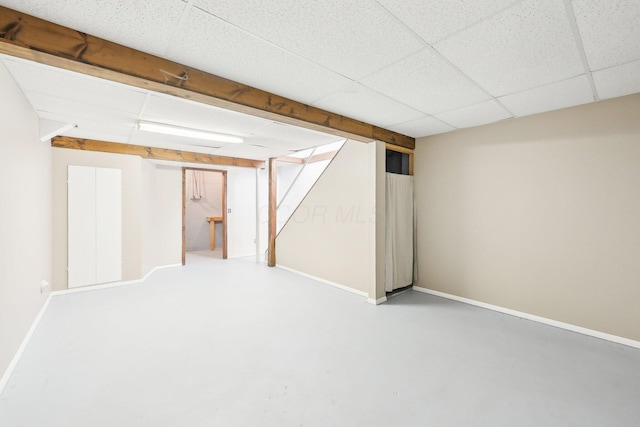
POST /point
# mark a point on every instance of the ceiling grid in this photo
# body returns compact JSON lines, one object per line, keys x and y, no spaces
{"x":410,"y":66}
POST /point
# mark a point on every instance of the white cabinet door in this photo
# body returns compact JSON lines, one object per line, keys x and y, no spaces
{"x":108,"y":225}
{"x":81,"y":220}
{"x":94,"y":225}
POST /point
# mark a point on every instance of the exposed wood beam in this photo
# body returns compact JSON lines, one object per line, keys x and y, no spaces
{"x":323,"y":156}
{"x":291,"y":159}
{"x":273,"y":211}
{"x":400,"y":149}
{"x":42,"y":41}
{"x":152,"y":152}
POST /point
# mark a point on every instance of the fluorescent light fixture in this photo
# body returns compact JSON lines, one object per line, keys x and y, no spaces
{"x":187,"y":132}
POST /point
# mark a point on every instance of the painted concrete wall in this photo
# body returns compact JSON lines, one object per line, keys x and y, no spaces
{"x":25,"y":218}
{"x":539,"y":214}
{"x":331,"y":233}
{"x":161,"y":215}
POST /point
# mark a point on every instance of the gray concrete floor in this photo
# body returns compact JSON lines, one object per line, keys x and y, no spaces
{"x":233,"y":343}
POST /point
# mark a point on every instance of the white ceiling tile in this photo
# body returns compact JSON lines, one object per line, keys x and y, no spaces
{"x":61,"y":84}
{"x":233,"y":53}
{"x":426,"y":82}
{"x":610,"y":31}
{"x":68,"y":107}
{"x":526,"y":46}
{"x":180,"y":112}
{"x":432,"y":20}
{"x":618,"y":81}
{"x":566,"y":93}
{"x":86,"y":128}
{"x":475,"y":115}
{"x":353,"y":38}
{"x":250,"y":152}
{"x":298,"y":135}
{"x":276,"y":145}
{"x":422,"y":127}
{"x":141,"y":24}
{"x":361,"y":103}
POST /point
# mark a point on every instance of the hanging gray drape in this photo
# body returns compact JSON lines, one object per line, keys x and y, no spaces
{"x":399,"y":215}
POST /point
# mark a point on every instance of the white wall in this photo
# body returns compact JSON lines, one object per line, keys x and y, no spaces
{"x":331,"y":234}
{"x":539,"y":215}
{"x":197,"y":210}
{"x":161,"y":215}
{"x":151,"y":211}
{"x":25,"y":218}
{"x":132,"y":202}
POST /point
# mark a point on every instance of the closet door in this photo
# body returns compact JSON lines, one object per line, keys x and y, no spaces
{"x":94,"y":225}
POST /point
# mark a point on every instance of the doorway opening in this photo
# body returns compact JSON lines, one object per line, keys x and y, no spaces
{"x":204,"y":212}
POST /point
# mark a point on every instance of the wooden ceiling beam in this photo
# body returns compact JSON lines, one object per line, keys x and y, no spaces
{"x":42,"y":41}
{"x":152,"y":152}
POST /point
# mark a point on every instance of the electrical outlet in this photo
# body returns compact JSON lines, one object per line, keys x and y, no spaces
{"x":44,"y":286}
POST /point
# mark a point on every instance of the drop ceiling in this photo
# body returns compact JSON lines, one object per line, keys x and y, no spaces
{"x":412,"y":66}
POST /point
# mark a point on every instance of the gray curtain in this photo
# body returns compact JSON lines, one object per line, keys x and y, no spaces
{"x":400,"y":226}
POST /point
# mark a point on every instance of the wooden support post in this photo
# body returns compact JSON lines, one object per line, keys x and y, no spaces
{"x":273,"y":211}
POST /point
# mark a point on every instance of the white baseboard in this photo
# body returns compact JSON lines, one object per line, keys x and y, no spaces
{"x":113,"y":284}
{"x":14,"y":362}
{"x":326,"y":282}
{"x":34,"y":325}
{"x":376,"y":301}
{"x":533,"y":317}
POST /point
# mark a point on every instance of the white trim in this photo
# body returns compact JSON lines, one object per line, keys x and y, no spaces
{"x":376,"y":301}
{"x":114,"y":284}
{"x":34,"y":325}
{"x":533,"y":317}
{"x":16,"y":358}
{"x":326,"y":282}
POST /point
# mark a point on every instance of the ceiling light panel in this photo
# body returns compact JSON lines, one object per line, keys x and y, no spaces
{"x":475,"y":115}
{"x":435,"y":19}
{"x":424,"y":126}
{"x":142,"y":25}
{"x":427,"y":83}
{"x":528,"y":45}
{"x":362,"y":103}
{"x":230,"y":52}
{"x":170,"y":142}
{"x":618,"y":81}
{"x":353,"y":38}
{"x":610,"y":31}
{"x":191,"y":133}
{"x":567,"y":93}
